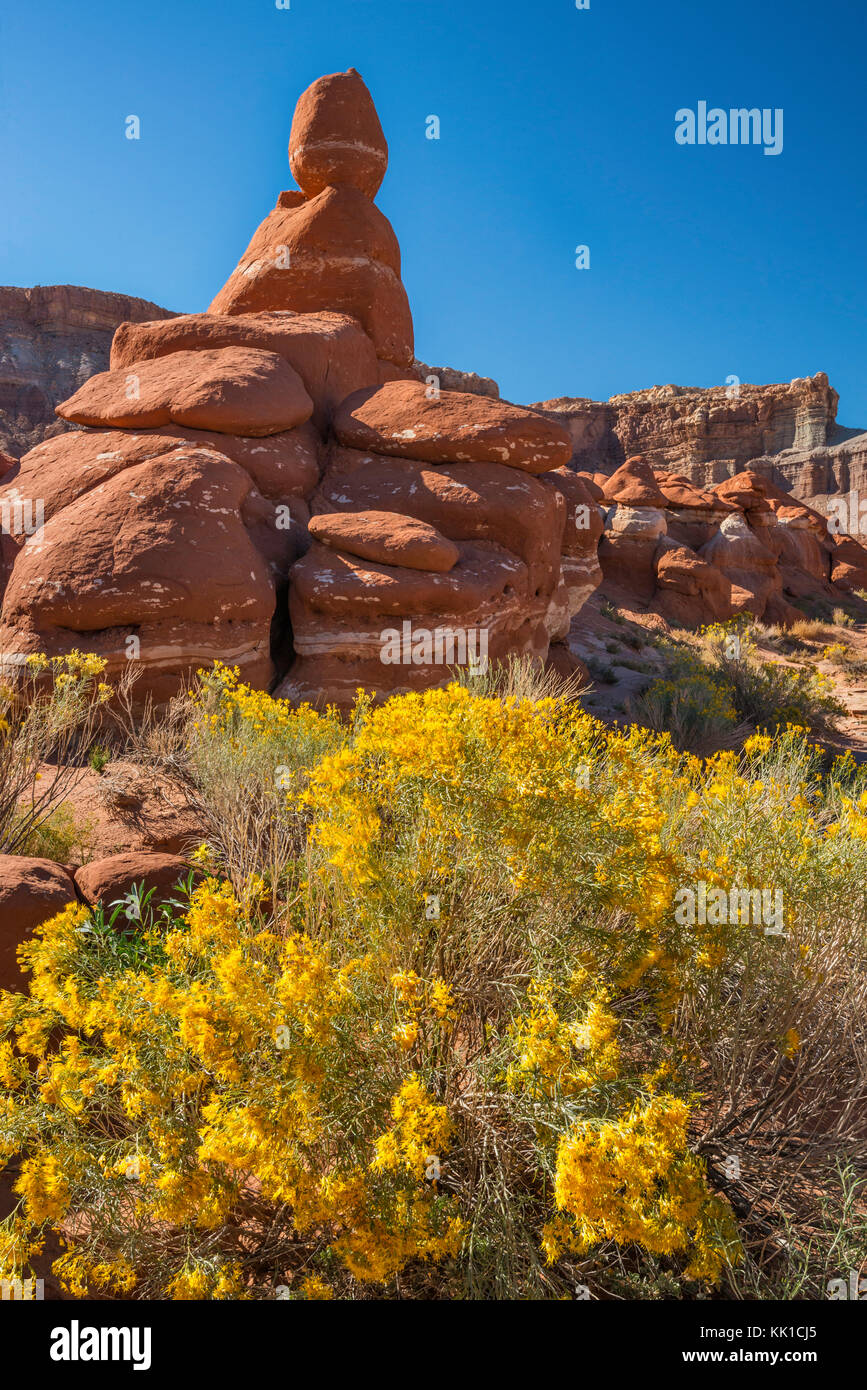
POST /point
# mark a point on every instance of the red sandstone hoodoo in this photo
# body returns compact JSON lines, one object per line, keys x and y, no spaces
{"x":279,"y":474}
{"x":283,"y":458}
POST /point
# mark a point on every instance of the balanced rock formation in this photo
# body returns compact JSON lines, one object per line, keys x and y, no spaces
{"x":277,"y":483}
{"x":329,"y":246}
{"x":336,"y":137}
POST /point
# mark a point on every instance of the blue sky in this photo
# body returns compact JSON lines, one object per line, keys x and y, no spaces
{"x":557,"y":129}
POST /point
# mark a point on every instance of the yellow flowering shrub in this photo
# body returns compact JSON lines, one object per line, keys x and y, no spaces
{"x":465,"y":1022}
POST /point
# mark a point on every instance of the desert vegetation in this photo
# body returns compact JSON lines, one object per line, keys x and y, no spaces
{"x":471,"y":996}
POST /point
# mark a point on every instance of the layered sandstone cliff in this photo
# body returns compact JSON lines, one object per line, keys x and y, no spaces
{"x":52,"y":338}
{"x":786,"y":432}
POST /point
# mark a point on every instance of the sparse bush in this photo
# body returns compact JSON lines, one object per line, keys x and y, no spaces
{"x":49,"y":711}
{"x":717,"y":691}
{"x":770,"y":696}
{"x":842,"y":618}
{"x":62,"y":836}
{"x":602,"y":671}
{"x":98,"y":757}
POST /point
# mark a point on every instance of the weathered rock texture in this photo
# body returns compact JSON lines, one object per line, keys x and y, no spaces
{"x":52,"y":339}
{"x":695,"y":555}
{"x":279,"y":484}
{"x":450,"y":379}
{"x":787,"y":433}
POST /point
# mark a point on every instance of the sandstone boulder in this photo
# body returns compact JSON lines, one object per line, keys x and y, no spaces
{"x":593,"y":485}
{"x":627,"y":549}
{"x":682,"y":495}
{"x":231,"y":390}
{"x":738,"y":552}
{"x":388,"y":628}
{"x":693,"y":514}
{"x":161,"y":539}
{"x":32,"y":891}
{"x":388,"y":538}
{"x":330,"y":352}
{"x":401,"y":418}
{"x":642,"y":523}
{"x":107,"y":881}
{"x":746,"y":490}
{"x":634,"y":484}
{"x":465,"y":502}
{"x":283,"y":466}
{"x":689,"y":590}
{"x":336,"y":136}
{"x":159,"y":553}
{"x":848,"y":563}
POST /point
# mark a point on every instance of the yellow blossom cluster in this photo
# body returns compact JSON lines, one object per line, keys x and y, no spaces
{"x":635,"y":1180}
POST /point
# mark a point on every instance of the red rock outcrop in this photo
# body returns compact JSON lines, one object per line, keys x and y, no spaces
{"x":333,"y":251}
{"x":634,"y":484}
{"x":175,"y":527}
{"x":706,"y":554}
{"x":579,"y":556}
{"x":158,"y":553}
{"x":707,"y":434}
{"x":786,"y":433}
{"x":230,"y":390}
{"x":848,"y":563}
{"x":387,"y":537}
{"x":690,"y":591}
{"x":336,"y":137}
{"x":330,"y":352}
